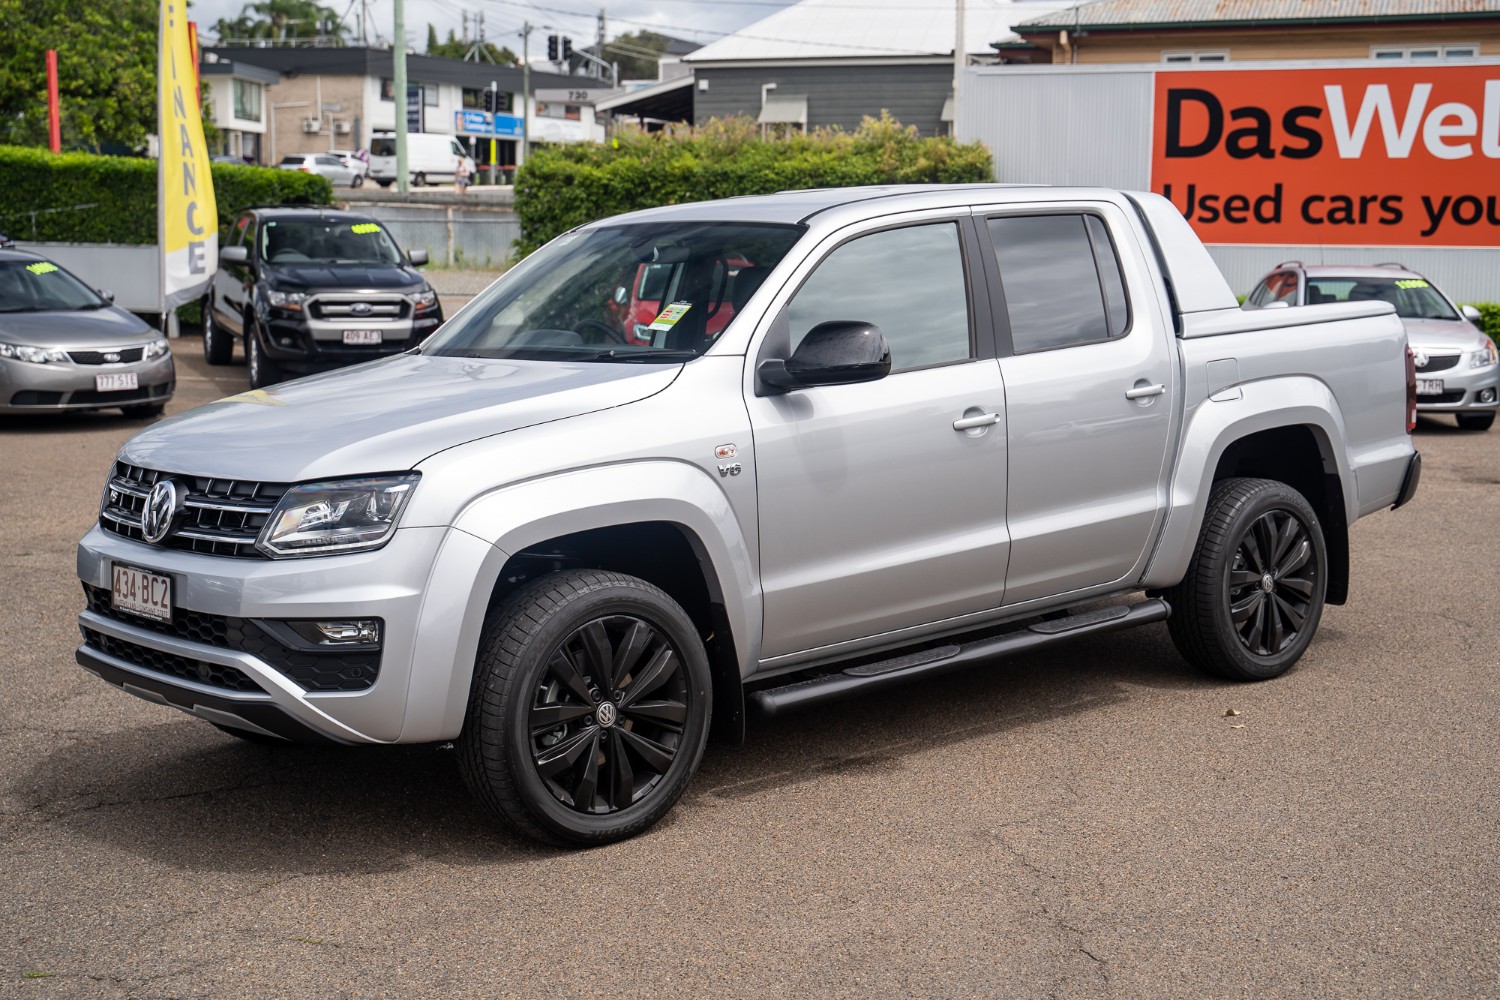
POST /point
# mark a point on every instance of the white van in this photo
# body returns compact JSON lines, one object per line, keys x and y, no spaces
{"x":430,"y":158}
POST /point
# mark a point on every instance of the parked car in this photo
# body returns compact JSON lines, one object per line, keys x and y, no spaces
{"x":309,"y":289}
{"x":1457,"y":370}
{"x":351,"y":159}
{"x":431,"y":158}
{"x":65,"y":346}
{"x":952,"y":423}
{"x":238,"y":161}
{"x":327,"y":165}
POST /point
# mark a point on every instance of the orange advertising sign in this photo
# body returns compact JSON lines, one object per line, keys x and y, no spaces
{"x":1398,"y":156}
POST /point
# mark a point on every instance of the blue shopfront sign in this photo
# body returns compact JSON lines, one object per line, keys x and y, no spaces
{"x":510,"y":125}
{"x":484,"y":123}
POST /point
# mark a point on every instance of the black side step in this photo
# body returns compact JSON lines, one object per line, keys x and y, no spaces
{"x":931,"y":662}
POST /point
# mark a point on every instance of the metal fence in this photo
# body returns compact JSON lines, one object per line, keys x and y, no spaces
{"x":453,"y":236}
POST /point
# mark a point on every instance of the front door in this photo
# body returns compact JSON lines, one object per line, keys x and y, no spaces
{"x":876,"y":513}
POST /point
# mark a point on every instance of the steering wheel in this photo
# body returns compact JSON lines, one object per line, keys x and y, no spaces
{"x":598,"y":325}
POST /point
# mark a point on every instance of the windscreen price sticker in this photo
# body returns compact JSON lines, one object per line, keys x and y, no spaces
{"x":668,"y":317}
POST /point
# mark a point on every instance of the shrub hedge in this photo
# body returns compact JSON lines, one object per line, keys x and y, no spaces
{"x":560,"y":187}
{"x":1489,"y":318}
{"x":40,"y":194}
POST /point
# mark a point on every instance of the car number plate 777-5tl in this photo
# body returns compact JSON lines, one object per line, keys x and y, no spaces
{"x":115,"y":382}
{"x":362,"y":336}
{"x":1429,"y":387}
{"x":141,"y":592}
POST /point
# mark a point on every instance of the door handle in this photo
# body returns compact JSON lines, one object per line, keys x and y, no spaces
{"x":1142,"y":391}
{"x":969,"y":423}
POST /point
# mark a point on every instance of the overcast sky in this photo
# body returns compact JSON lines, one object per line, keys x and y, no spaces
{"x":701,"y":21}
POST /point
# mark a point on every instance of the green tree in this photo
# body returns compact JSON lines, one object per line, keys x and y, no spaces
{"x":457,"y":48}
{"x":293,"y":22}
{"x":106,"y":62}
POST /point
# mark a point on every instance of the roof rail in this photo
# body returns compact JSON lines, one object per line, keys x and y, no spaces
{"x":1393,"y":263}
{"x":1291,"y":263}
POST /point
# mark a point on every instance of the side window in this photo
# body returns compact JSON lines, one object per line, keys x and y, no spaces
{"x":1282,"y":287}
{"x":329,"y":161}
{"x":1062,"y":280}
{"x":458,"y":150}
{"x":250,"y":234}
{"x":908,"y":282}
{"x":237,"y":238}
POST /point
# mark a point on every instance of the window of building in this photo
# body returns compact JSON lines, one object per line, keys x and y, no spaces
{"x":551,"y":109}
{"x":247,"y":96}
{"x":908,"y":282}
{"x":1062,"y":280}
{"x":387,"y":89}
{"x":1423,"y":53}
{"x":1195,"y":56}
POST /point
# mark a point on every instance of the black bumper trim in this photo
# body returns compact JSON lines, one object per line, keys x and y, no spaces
{"x":262,"y":713}
{"x":1409,"y":484}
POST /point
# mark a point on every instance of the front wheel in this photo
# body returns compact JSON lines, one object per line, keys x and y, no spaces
{"x":1476,"y":421}
{"x":357,"y":181}
{"x":218,"y":348}
{"x":589,"y":709}
{"x":419,"y":180}
{"x":263,"y":370}
{"x":1253,"y":594}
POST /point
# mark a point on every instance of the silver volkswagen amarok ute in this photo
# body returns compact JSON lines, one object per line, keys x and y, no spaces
{"x":869,"y":436}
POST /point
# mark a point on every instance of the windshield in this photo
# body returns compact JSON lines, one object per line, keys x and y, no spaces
{"x":326,"y":241}
{"x":1414,"y":298}
{"x":39,"y":285}
{"x":383,"y":147}
{"x":621,"y":293}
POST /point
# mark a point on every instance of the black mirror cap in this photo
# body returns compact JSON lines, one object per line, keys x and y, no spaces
{"x":417,"y":257}
{"x":840,"y":352}
{"x":234,"y":255}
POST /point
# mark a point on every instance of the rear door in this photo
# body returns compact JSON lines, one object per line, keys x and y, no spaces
{"x":876,"y":513}
{"x":1090,"y":379}
{"x":230,"y":288}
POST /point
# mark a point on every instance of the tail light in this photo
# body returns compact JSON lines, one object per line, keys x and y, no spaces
{"x":1411,"y":390}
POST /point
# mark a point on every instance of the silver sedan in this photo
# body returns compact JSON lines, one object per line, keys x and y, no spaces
{"x":64,"y":346}
{"x":339,"y":173}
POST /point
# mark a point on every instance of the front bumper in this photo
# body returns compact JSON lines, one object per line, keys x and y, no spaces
{"x":206,"y":675}
{"x":31,"y":388}
{"x":1465,"y":390}
{"x":305,"y":346}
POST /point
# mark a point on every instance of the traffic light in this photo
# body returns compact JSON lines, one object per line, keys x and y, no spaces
{"x":567,"y":48}
{"x":489,"y":101}
{"x":552,"y":48}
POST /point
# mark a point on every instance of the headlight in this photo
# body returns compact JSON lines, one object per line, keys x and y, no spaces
{"x":1486,"y":355}
{"x":155,"y":349}
{"x":286,"y":300}
{"x":346,"y":515}
{"x":37,"y":355}
{"x":426,"y":299}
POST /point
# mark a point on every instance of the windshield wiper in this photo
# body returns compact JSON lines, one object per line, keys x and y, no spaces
{"x":641,"y":356}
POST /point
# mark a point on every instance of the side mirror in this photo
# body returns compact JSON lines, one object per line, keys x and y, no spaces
{"x":106,"y":295}
{"x":234,"y":255}
{"x":839,"y":352}
{"x":1471,"y":314}
{"x":621,"y":295}
{"x":417,"y":257}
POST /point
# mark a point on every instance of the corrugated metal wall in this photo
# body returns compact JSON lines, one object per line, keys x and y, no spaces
{"x":1092,"y":125}
{"x":836,"y":95}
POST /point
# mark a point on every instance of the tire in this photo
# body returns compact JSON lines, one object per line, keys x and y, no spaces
{"x":1222,"y":620}
{"x":144,"y":411}
{"x":1476,"y":421}
{"x":384,"y":184}
{"x":218,"y":346}
{"x":263,"y":370}
{"x":535,"y":749}
{"x":419,"y":180}
{"x":358,"y":181}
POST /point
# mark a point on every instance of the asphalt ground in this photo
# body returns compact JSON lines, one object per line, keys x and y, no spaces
{"x":1090,"y":822}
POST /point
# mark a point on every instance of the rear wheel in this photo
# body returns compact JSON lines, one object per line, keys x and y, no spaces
{"x":1476,"y":421}
{"x":358,"y":181}
{"x":263,"y":370}
{"x":218,"y":348}
{"x":1253,"y":595}
{"x":419,"y":180}
{"x":589,"y":709}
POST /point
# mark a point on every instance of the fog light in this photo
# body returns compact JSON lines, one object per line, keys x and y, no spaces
{"x":1487,"y":395}
{"x":340,"y":632}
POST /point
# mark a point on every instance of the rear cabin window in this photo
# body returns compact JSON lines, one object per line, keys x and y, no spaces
{"x":1062,"y":280}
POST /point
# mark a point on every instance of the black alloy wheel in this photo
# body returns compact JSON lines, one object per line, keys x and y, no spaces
{"x":1253,"y":594}
{"x":589,"y":709}
{"x":1272,"y":583}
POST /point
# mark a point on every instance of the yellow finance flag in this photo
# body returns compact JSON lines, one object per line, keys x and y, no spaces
{"x":187,"y":218}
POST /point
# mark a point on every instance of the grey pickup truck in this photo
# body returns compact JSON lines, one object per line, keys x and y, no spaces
{"x":869,"y":436}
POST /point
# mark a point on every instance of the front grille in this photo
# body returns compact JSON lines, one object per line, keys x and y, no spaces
{"x":351,"y":308}
{"x":331,"y":670}
{"x":218,"y":516}
{"x":1439,"y":363}
{"x":170,"y":664}
{"x":1443,"y":399}
{"x":124,"y":357}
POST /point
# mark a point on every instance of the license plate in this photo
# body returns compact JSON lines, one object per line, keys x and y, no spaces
{"x":141,"y":592}
{"x":115,"y":381}
{"x":1429,"y":387}
{"x":362,"y":336}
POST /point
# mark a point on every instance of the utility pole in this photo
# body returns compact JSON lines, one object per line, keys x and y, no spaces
{"x":599,"y":47}
{"x":960,"y":59}
{"x":525,"y":92}
{"x":399,"y":98}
